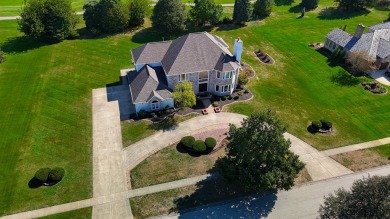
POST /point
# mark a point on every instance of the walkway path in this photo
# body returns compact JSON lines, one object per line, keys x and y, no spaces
{"x":356,"y":147}
{"x":109,"y":176}
{"x":318,"y":165}
{"x":380,"y":77}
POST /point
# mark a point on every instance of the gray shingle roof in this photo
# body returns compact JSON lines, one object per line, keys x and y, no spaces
{"x":339,"y":36}
{"x":384,"y":49}
{"x":147,"y":83}
{"x":190,"y":53}
{"x":375,"y":43}
{"x":380,"y":26}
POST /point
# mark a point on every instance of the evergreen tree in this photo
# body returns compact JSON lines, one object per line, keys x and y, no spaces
{"x":309,"y":4}
{"x":242,"y":11}
{"x":258,"y":155}
{"x":138,"y":9}
{"x":169,"y":16}
{"x":46,"y":20}
{"x":355,"y":5}
{"x":262,"y":8}
{"x":206,"y":11}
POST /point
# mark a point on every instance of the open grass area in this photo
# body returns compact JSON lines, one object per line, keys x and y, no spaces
{"x":84,"y":213}
{"x":135,"y":131}
{"x":171,"y":164}
{"x":300,"y":86}
{"x":45,"y":113}
{"x":364,"y":159}
{"x":13,"y":7}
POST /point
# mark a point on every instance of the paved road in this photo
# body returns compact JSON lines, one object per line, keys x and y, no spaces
{"x":300,"y":202}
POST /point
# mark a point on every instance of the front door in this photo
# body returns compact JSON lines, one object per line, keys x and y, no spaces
{"x":202,"y":88}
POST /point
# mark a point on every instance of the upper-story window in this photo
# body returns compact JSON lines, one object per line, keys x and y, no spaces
{"x":224,"y":75}
{"x":183,"y":77}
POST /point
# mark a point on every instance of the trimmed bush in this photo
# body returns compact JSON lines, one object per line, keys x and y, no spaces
{"x":199,"y":146}
{"x":187,"y":141}
{"x":246,"y":91}
{"x":210,"y":142}
{"x":42,"y":175}
{"x":236,"y":97}
{"x":316,"y":125}
{"x":56,"y":174}
{"x":215,"y":104}
{"x":230,"y":97}
{"x":240,"y":93}
{"x":223,"y":98}
{"x":325,"y":124}
{"x":142,"y":114}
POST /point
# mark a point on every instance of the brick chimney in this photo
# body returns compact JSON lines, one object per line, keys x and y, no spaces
{"x":359,"y":31}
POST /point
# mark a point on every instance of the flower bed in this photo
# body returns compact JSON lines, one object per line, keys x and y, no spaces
{"x":374,"y":87}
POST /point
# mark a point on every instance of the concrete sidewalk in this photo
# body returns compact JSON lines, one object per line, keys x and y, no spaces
{"x":356,"y":147}
{"x":318,"y":165}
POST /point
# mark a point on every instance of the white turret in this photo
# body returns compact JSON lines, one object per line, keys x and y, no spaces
{"x":238,"y":44}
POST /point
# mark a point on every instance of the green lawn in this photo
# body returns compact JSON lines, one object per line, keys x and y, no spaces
{"x":45,"y":113}
{"x":84,"y":213}
{"x":13,"y":7}
{"x":383,"y":150}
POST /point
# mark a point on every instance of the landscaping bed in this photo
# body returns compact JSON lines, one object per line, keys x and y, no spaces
{"x":364,"y":159}
{"x":264,"y":57}
{"x":374,"y":87}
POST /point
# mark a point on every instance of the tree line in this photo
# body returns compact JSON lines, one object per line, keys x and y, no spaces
{"x":54,"y":21}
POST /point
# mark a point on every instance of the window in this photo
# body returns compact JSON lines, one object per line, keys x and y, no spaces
{"x":216,"y":88}
{"x":225,"y":88}
{"x":218,"y":74}
{"x":183,"y":77}
{"x":155,"y":105}
{"x":227,"y":75}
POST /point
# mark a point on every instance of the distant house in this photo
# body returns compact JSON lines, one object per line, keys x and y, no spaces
{"x":200,"y":58}
{"x":375,"y":42}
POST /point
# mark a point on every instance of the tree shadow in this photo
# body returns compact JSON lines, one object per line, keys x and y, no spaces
{"x":168,"y":123}
{"x":227,"y":27}
{"x":333,"y":13}
{"x":213,"y":190}
{"x":343,"y":78}
{"x":311,"y":130}
{"x":283,"y":2}
{"x":295,"y":9}
{"x":180,"y":148}
{"x":34,"y":183}
{"x":21,"y":44}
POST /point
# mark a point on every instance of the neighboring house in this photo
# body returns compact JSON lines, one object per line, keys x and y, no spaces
{"x":375,"y":42}
{"x":200,"y":58}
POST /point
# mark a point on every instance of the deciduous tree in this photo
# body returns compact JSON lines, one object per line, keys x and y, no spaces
{"x":137,"y":10}
{"x":354,"y":5}
{"x":183,"y":95}
{"x":258,"y":156}
{"x":368,"y":198}
{"x":206,"y":11}
{"x":263,"y":8}
{"x":107,"y":16}
{"x":242,"y":11}
{"x":309,"y":4}
{"x":49,"y":21}
{"x":169,"y":16}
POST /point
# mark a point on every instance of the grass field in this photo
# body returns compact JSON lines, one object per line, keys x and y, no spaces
{"x":13,"y":7}
{"x":45,"y":93}
{"x":84,"y":213}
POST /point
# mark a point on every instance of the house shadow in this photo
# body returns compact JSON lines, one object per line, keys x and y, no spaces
{"x":333,"y":13}
{"x":345,"y":79}
{"x":21,"y":44}
{"x":283,"y":2}
{"x":209,"y":201}
{"x":120,"y":91}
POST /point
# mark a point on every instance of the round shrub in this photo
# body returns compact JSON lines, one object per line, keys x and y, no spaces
{"x":187,"y":141}
{"x":56,"y":174}
{"x":223,"y":98}
{"x":325,"y":124}
{"x":316,"y":125}
{"x":210,"y":142}
{"x":42,"y":175}
{"x":199,"y":146}
{"x":230,"y":97}
{"x":215,"y":104}
{"x":236,"y":97}
{"x":246,"y":91}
